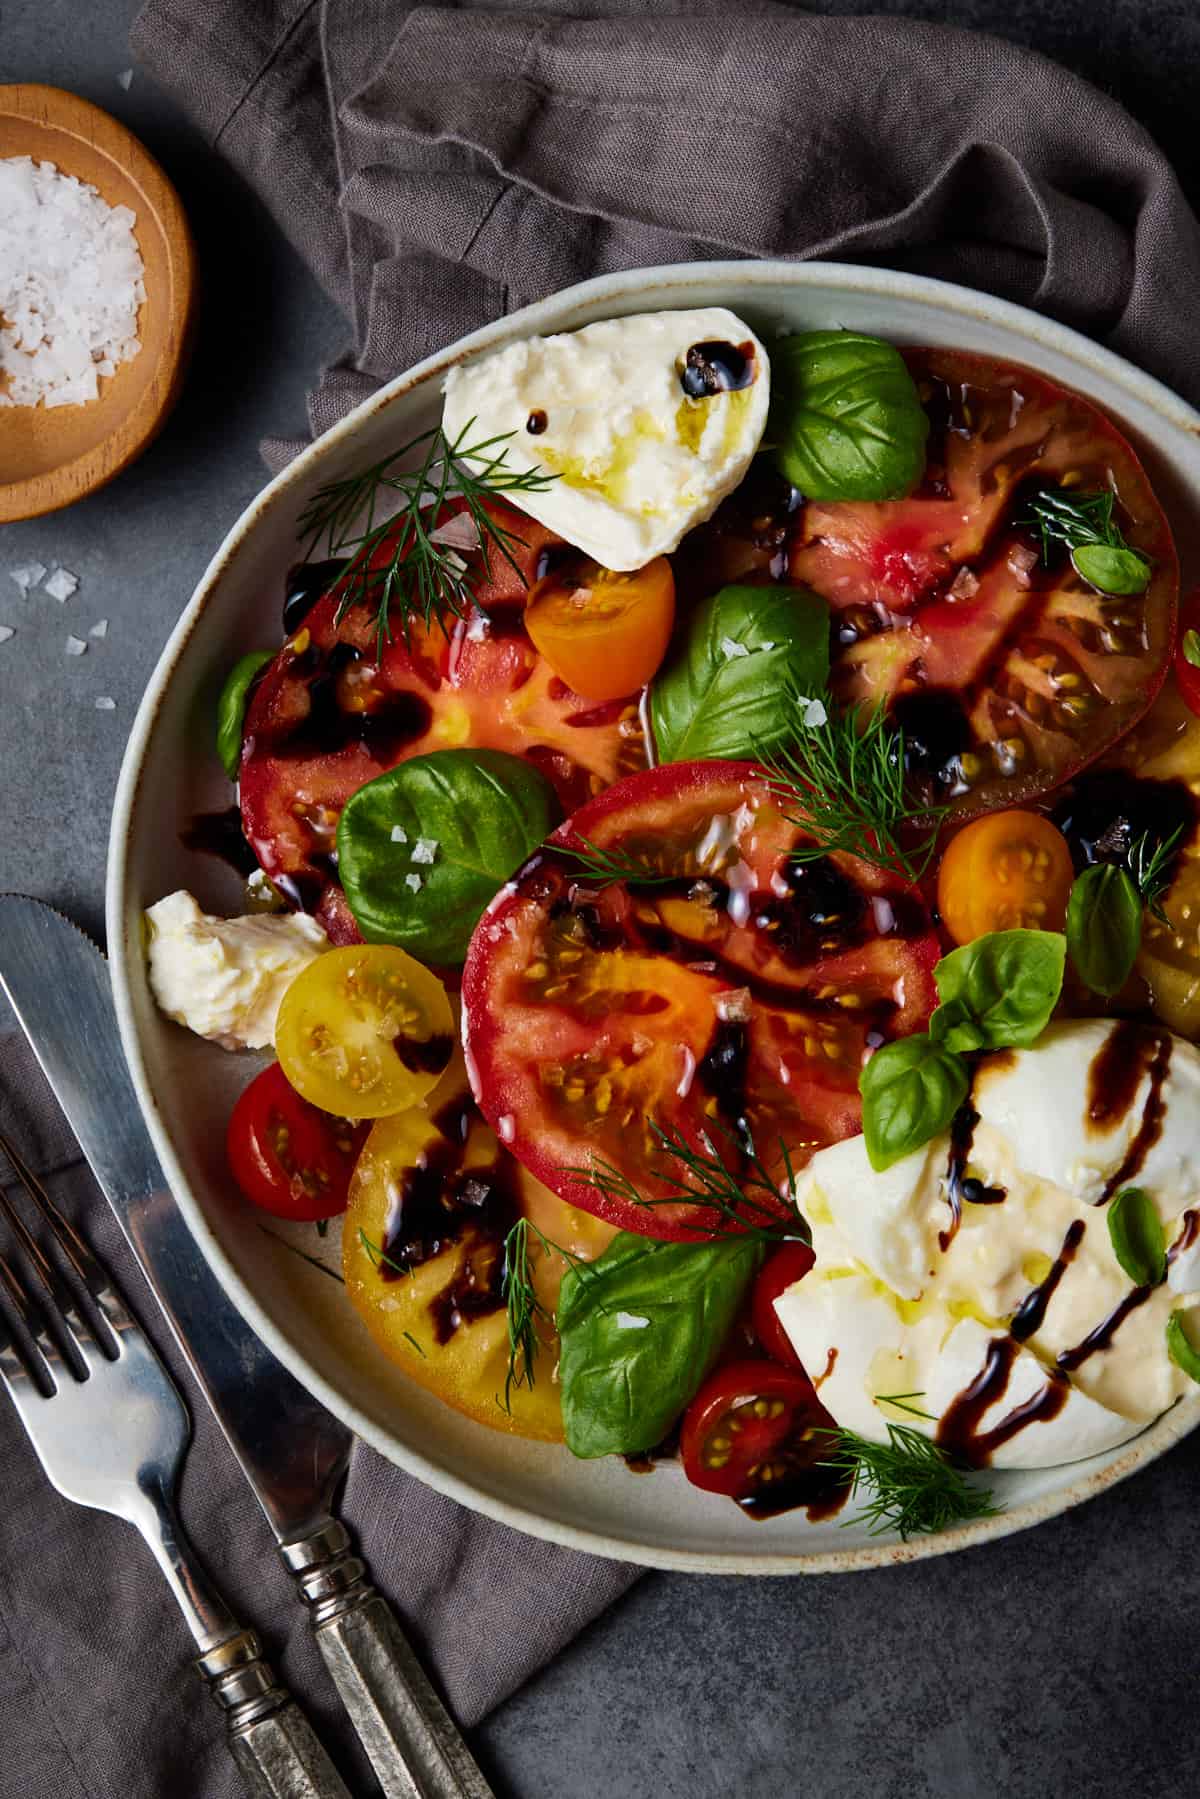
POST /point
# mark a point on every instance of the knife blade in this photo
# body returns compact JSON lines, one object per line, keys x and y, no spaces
{"x":291,"y":1450}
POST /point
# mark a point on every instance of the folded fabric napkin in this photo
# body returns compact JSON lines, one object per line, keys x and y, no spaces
{"x":437,"y":167}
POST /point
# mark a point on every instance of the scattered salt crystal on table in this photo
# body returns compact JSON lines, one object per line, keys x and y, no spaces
{"x":61,"y":585}
{"x":76,"y":646}
{"x":105,"y":703}
{"x":124,"y":79}
{"x":28,"y":575}
{"x":6,"y":631}
{"x":99,"y":629}
{"x":71,"y":282}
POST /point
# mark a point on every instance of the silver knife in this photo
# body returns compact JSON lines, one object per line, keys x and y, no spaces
{"x":292,"y":1452}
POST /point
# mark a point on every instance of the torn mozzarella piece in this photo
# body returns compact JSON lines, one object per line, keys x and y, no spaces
{"x":639,"y":458}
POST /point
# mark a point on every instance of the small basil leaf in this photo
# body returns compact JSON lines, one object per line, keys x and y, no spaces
{"x":846,"y":417}
{"x":953,"y":1026}
{"x":1006,"y":983}
{"x":1191,"y":648}
{"x":1137,"y":1237}
{"x":231,"y":707}
{"x":911,"y":1090}
{"x":639,"y":1329}
{"x":1104,"y":926}
{"x":1111,"y":569}
{"x":1180,"y":1349}
{"x":725,"y":691}
{"x":475,"y":815}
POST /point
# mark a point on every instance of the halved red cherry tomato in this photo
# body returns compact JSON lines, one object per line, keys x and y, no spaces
{"x":603,"y":633}
{"x":288,"y":1157}
{"x":756,"y":1431}
{"x":781,"y":1270}
{"x":741,"y":992}
{"x":1007,"y":871}
{"x":1008,"y":673}
{"x":330,"y":714}
{"x":1187,"y":672}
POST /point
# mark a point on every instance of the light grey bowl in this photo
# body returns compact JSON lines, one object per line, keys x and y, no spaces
{"x":186,"y":1087}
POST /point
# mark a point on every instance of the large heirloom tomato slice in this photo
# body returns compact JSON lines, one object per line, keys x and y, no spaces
{"x":741,"y":991}
{"x":330,"y":714}
{"x":1008,"y":671}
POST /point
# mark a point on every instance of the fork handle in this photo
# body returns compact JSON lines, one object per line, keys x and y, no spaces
{"x":271,"y":1740}
{"x":414,"y":1746}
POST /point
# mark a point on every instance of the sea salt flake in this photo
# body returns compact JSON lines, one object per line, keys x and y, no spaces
{"x":399,"y":834}
{"x":731,"y":648}
{"x":425,"y":849}
{"x":124,"y":79}
{"x":28,"y":575}
{"x":99,"y":629}
{"x":812,"y":712}
{"x":76,"y":646}
{"x":733,"y":1006}
{"x":105,"y":703}
{"x":414,"y":882}
{"x":631,"y":1321}
{"x":61,"y":585}
{"x":6,"y":631}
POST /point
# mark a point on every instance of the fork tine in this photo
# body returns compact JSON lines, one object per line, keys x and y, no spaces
{"x":48,"y":1355}
{"x":79,"y":1257}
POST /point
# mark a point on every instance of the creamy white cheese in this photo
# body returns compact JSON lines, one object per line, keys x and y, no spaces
{"x":224,"y":977}
{"x":899,"y":1301}
{"x":639,"y":462}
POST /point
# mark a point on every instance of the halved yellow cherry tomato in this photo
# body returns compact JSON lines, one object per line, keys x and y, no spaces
{"x":431,"y":1202}
{"x":364,"y":1031}
{"x":603,"y":633}
{"x":1007,"y":871}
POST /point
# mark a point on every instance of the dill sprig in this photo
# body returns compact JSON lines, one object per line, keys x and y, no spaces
{"x":745,"y":1203}
{"x":379,"y":1256}
{"x":843,"y":783}
{"x":1083,"y":521}
{"x":417,"y":578}
{"x":1150,"y":862}
{"x":907,"y":1484}
{"x":603,"y":868}
{"x":524,"y":1309}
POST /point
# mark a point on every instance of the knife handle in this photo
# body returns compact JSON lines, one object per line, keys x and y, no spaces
{"x":271,"y":1740}
{"x":414,"y":1747}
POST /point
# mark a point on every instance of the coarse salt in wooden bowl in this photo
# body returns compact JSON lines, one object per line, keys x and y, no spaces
{"x":53,"y":456}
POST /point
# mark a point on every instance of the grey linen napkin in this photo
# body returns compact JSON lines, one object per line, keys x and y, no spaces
{"x":436,"y":167}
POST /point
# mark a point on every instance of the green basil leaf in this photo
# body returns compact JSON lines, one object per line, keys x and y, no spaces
{"x":1180,"y":1349}
{"x":725,"y":691}
{"x":1112,"y":569}
{"x":231,"y":707}
{"x":911,"y":1090}
{"x":1190,"y":646}
{"x":846,"y":417}
{"x":1003,"y":986}
{"x":460,"y":822}
{"x":640,"y":1327}
{"x":1136,"y":1231}
{"x":1104,"y":926}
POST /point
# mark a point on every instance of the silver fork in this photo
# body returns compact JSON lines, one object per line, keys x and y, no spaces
{"x":110,"y":1431}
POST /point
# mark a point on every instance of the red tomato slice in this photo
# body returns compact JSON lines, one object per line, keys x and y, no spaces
{"x":1187,"y":673}
{"x":781,"y":1270}
{"x":287,"y":1156}
{"x":744,"y":988}
{"x":330,"y":714}
{"x":1008,"y":674}
{"x":755,"y":1431}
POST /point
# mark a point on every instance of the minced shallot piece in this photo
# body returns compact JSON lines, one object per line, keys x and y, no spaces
{"x":71,"y":282}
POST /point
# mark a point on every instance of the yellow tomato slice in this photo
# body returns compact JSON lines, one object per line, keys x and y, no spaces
{"x":435,"y":1181}
{"x":603,"y":633}
{"x":1006,"y":871}
{"x":364,"y":1031}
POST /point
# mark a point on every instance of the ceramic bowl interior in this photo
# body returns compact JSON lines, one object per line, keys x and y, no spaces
{"x":187,"y":1087}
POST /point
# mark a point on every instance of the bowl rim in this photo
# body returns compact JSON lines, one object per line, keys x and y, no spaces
{"x":125,"y":952}
{"x":58,"y":109}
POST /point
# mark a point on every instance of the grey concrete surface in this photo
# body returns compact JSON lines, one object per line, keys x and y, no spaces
{"x":1055,"y":1665}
